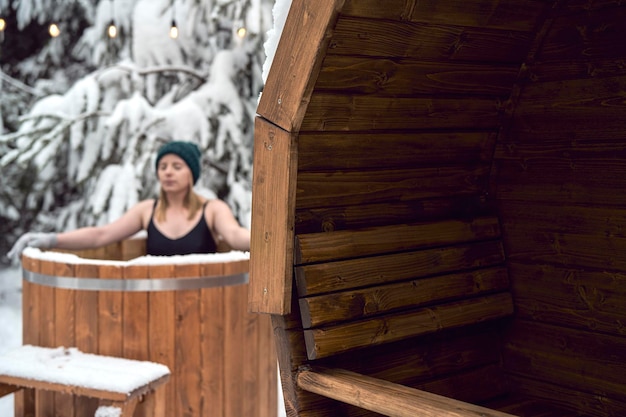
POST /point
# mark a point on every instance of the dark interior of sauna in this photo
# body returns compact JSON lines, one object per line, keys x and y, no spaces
{"x":439,"y":186}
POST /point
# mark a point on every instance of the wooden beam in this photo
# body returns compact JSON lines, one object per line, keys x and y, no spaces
{"x":297,"y":61}
{"x":327,"y":341}
{"x":360,"y":303}
{"x":375,"y":395}
{"x":273,"y":206}
{"x":346,"y":244}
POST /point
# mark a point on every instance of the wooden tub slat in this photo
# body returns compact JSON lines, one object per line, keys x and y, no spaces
{"x":212,"y":327}
{"x":161,"y":325}
{"x":135,"y":327}
{"x":46,"y":322}
{"x":110,"y":307}
{"x":25,"y":399}
{"x":86,"y":326}
{"x":64,"y":327}
{"x":187,"y":334}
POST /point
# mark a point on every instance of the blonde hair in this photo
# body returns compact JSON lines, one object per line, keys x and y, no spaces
{"x":192,"y":202}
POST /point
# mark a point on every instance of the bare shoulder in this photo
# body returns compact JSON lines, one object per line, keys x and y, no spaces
{"x":144,"y":206}
{"x":216,"y":206}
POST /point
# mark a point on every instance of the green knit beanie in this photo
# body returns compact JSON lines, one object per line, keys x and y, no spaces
{"x":188,"y":151}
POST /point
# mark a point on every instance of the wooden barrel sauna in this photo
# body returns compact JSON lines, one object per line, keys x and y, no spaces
{"x":187,"y":312}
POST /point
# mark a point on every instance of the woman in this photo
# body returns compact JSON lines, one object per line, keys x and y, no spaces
{"x":179,"y":222}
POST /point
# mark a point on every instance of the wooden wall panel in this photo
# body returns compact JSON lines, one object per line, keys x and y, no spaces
{"x":493,"y":14}
{"x":393,"y":150}
{"x":331,"y":112}
{"x":570,"y":296}
{"x":571,"y":358}
{"x":410,"y":77}
{"x":428,"y":41}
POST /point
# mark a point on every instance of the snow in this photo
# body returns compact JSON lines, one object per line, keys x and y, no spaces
{"x":152,"y":52}
{"x":280,"y":12}
{"x":70,"y":366}
{"x":10,"y":321}
{"x":69,"y":258}
{"x":104,"y":411}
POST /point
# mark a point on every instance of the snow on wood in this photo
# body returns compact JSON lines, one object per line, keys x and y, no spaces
{"x":72,"y":259}
{"x":69,"y":366}
{"x":104,"y":411}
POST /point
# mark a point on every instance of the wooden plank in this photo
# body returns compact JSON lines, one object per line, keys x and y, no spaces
{"x":331,"y":340}
{"x":384,"y":299}
{"x":373,"y":394}
{"x":323,"y":247}
{"x":31,"y":302}
{"x":212,"y":331}
{"x":357,"y":216}
{"x":6,"y":389}
{"x":47,"y":308}
{"x":358,"y":151}
{"x":162,"y":329}
{"x":583,"y":220}
{"x":493,"y":14}
{"x":328,"y":189}
{"x":333,"y":112}
{"x":585,"y":403}
{"x":65,"y":335}
{"x":55,"y":387}
{"x":234,"y":346}
{"x":590,"y":300}
{"x":188,"y":353}
{"x":135,"y":323}
{"x":296,"y":62}
{"x":132,"y":248}
{"x":576,"y":182}
{"x":564,"y":248}
{"x":364,"y":272}
{"x":430,"y":42}
{"x":409,"y":77}
{"x":87,"y":329}
{"x":111,"y":310}
{"x":569,"y":69}
{"x":581,"y":360}
{"x":271,"y":244}
{"x":586,"y":36}
{"x":572,"y":108}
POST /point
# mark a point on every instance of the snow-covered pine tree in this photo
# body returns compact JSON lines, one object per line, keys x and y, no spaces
{"x":83,"y":154}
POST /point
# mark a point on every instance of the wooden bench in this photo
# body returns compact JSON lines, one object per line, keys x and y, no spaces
{"x":367,"y":289}
{"x":116,"y":382}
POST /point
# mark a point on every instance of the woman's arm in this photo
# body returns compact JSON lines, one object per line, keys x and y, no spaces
{"x":226,"y":225}
{"x":130,"y":223}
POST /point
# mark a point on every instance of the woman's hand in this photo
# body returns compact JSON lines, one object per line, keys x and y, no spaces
{"x":35,"y":240}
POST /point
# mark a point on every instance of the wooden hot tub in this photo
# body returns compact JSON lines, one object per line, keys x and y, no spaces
{"x":187,"y":312}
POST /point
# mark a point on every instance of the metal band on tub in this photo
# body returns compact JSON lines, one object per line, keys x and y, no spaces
{"x":135,"y":284}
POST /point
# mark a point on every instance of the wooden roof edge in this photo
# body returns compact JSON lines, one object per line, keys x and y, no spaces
{"x":297,"y":61}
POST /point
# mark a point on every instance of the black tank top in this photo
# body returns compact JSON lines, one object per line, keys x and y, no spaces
{"x":198,"y":240}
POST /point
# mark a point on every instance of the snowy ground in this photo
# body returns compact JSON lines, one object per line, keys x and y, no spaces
{"x":11,"y":326}
{"x":10,"y":321}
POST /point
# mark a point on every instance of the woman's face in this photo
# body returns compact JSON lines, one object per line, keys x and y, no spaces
{"x":173,"y":173}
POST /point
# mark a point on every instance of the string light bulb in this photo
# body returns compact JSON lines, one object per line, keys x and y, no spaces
{"x":54,"y":30}
{"x":3,"y":24}
{"x":112,"y":30}
{"x":241,"y":32}
{"x":173,"y":30}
